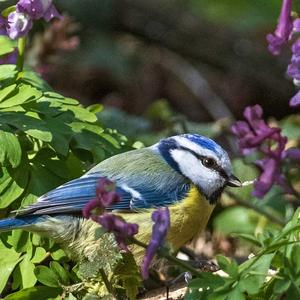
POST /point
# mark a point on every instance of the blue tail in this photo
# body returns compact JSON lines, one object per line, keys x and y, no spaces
{"x":18,"y":222}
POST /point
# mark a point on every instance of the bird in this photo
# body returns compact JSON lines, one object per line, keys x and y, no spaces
{"x":186,"y":173}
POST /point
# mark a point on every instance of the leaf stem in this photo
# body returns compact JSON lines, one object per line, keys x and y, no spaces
{"x":21,"y":54}
{"x":106,"y":281}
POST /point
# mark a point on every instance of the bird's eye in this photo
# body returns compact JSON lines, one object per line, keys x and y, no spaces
{"x":209,"y":162}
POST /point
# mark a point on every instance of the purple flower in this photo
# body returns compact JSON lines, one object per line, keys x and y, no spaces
{"x":295,"y":100}
{"x":271,"y":167}
{"x":18,"y":24}
{"x":10,"y":58}
{"x":293,"y":154}
{"x":256,"y":134}
{"x":161,"y":218}
{"x":105,"y":197}
{"x":284,"y":29}
{"x":105,"y":192}
{"x":284,"y":32}
{"x":38,"y":9}
{"x":121,"y":229}
{"x":2,"y":26}
{"x":293,"y":69}
{"x":254,"y":131}
{"x":20,"y":21}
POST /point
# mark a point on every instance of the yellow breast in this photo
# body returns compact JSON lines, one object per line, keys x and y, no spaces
{"x":188,"y":218}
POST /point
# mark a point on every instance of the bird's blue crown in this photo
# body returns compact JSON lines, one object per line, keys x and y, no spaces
{"x":204,"y":142}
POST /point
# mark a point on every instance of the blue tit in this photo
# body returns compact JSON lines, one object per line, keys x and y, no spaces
{"x":186,"y":173}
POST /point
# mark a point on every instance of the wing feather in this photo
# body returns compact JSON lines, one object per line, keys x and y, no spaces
{"x":140,"y":189}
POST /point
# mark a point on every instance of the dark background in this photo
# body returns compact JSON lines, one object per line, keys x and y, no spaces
{"x":208,"y":59}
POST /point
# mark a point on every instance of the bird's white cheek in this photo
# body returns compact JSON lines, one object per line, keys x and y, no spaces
{"x":187,"y":162}
{"x":208,"y":180}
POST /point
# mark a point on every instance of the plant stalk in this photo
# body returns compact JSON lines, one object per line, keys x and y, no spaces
{"x":21,"y":55}
{"x":256,"y":208}
{"x":169,"y":257}
{"x":106,"y":281}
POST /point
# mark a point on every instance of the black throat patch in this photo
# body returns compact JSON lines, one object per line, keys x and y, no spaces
{"x":214,"y":197}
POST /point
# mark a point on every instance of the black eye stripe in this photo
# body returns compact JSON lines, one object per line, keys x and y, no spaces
{"x":216,"y":167}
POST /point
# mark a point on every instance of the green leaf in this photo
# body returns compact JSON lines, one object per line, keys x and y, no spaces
{"x":39,"y":255}
{"x":207,"y":280}
{"x":5,"y":12}
{"x":27,"y":200}
{"x":28,"y":124}
{"x":37,"y":292}
{"x":47,"y":180}
{"x":7,"y":45}
{"x":5,"y":180}
{"x":58,"y":100}
{"x":58,"y":255}
{"x":60,"y":272}
{"x":230,"y":267}
{"x":19,"y":239}
{"x":61,"y":132}
{"x":254,"y":273}
{"x":34,"y":79}
{"x":6,"y":91}
{"x":27,"y":272}
{"x":9,"y":258}
{"x":40,"y":134}
{"x":70,"y":297}
{"x":10,"y":152}
{"x":202,"y":287}
{"x":55,"y":96}
{"x":235,"y":294}
{"x":281,"y":286}
{"x":24,"y":93}
{"x":81,"y":126}
{"x":15,"y":188}
{"x":48,"y":157}
{"x":7,"y":72}
{"x":81,"y":113}
{"x":293,"y":292}
{"x":16,"y":278}
{"x":247,"y":237}
{"x":46,"y":276}
{"x":295,"y":258}
{"x":95,"y":108}
{"x":128,"y":273}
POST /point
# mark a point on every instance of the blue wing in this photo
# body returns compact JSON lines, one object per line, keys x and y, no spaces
{"x":143,"y":180}
{"x":73,"y":196}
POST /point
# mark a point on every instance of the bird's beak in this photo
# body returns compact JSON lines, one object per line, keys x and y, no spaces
{"x":233,"y":181}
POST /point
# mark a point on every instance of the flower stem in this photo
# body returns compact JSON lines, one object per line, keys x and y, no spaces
{"x":165,"y":254}
{"x":106,"y":281}
{"x":256,"y":208}
{"x":179,"y":262}
{"x":21,"y":53}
